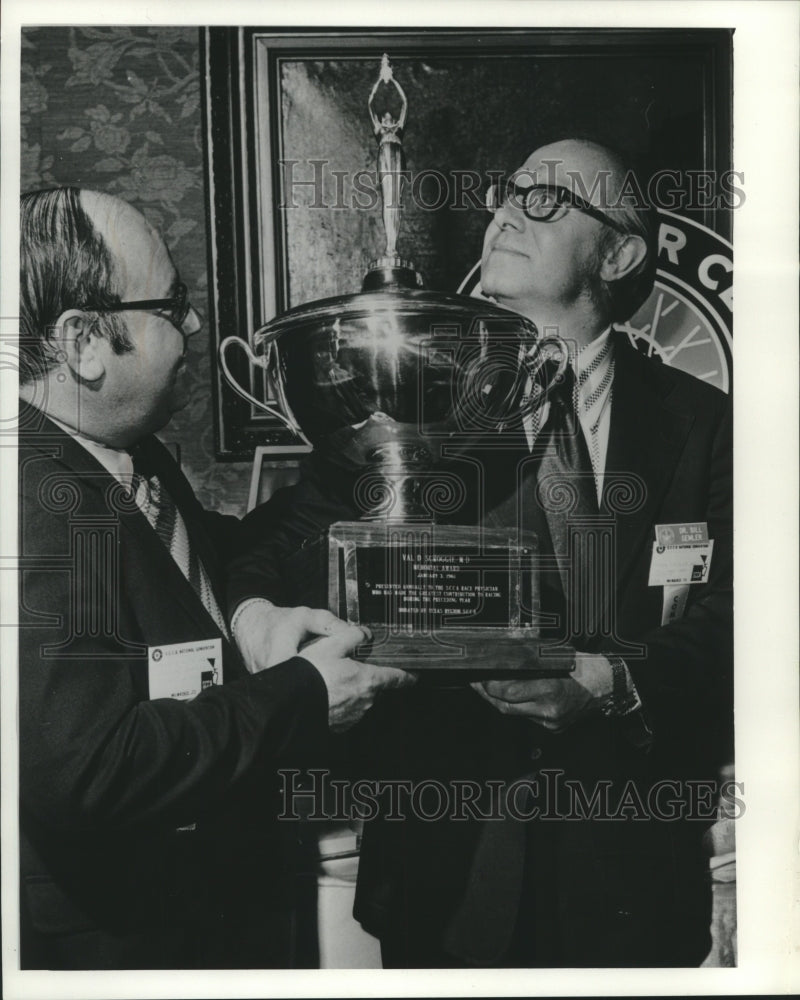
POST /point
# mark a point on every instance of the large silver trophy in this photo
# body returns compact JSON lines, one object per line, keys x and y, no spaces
{"x":392,"y":385}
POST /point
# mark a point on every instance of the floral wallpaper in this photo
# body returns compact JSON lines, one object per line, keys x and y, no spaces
{"x":118,"y":109}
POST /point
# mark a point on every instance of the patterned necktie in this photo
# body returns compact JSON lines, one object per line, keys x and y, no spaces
{"x":557,"y":486}
{"x":565,"y":456}
{"x":566,"y":500}
{"x":160,"y":510}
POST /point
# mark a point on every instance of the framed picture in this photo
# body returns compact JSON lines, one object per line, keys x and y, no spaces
{"x":293,"y":201}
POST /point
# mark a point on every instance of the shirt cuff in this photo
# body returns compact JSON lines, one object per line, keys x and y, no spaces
{"x":246,"y":604}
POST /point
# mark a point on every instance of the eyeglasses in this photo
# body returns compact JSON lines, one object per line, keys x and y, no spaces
{"x":543,"y":202}
{"x":175,"y":309}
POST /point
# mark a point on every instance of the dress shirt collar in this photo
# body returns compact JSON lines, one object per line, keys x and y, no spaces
{"x":593,"y":366}
{"x":116,"y":461}
{"x":590,"y":365}
{"x":585,"y":362}
{"x":593,"y":372}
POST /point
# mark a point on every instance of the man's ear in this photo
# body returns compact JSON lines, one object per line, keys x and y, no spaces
{"x":625,"y":256}
{"x":80,"y":347}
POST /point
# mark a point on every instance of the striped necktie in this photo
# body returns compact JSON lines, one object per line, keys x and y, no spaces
{"x":160,"y":510}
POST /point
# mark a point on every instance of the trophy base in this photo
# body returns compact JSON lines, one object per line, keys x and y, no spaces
{"x":441,"y":600}
{"x":387,"y":273}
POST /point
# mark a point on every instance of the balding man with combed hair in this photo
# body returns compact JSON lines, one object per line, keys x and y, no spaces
{"x":148,"y":747}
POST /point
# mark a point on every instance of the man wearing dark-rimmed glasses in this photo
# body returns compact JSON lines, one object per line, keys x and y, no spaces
{"x":148,"y":749}
{"x":175,"y":307}
{"x":590,"y":866}
{"x":543,"y":202}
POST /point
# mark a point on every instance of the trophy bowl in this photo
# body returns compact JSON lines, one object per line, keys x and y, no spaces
{"x":377,"y":378}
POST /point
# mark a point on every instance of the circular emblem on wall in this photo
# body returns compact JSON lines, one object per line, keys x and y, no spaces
{"x":688,"y":319}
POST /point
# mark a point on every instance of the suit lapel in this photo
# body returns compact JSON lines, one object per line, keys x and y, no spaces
{"x":181,"y":492}
{"x":101,"y":494}
{"x":646,"y":438}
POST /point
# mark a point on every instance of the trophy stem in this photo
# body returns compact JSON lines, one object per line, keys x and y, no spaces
{"x":396,"y":486}
{"x":406,"y":502}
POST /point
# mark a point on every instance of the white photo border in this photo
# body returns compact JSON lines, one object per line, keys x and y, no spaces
{"x":766,"y":500}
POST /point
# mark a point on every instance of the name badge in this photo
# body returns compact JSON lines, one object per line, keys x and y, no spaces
{"x":681,"y":555}
{"x":681,"y":534}
{"x":183,"y":669}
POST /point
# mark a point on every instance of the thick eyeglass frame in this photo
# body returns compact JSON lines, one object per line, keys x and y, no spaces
{"x":521,"y":196}
{"x":174,"y":309}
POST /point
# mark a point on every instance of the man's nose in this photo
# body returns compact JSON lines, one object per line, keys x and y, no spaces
{"x":510,"y":214}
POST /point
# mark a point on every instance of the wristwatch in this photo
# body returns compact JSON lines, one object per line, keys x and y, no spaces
{"x":624,"y":698}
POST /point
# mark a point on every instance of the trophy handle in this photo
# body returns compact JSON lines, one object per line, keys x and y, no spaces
{"x":548,"y":349}
{"x":266,"y":361}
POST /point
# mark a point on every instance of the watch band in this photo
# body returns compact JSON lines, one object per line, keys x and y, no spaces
{"x":624,"y":698}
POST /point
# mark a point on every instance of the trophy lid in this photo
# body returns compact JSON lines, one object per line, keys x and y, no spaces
{"x":414,"y":309}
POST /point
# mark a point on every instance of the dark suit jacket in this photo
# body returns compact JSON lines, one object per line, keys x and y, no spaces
{"x":619,"y":892}
{"x":107,"y":776}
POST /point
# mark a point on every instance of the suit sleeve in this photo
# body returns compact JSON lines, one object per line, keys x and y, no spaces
{"x":273,"y":532}
{"x":687,"y":675}
{"x":95,"y":753}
